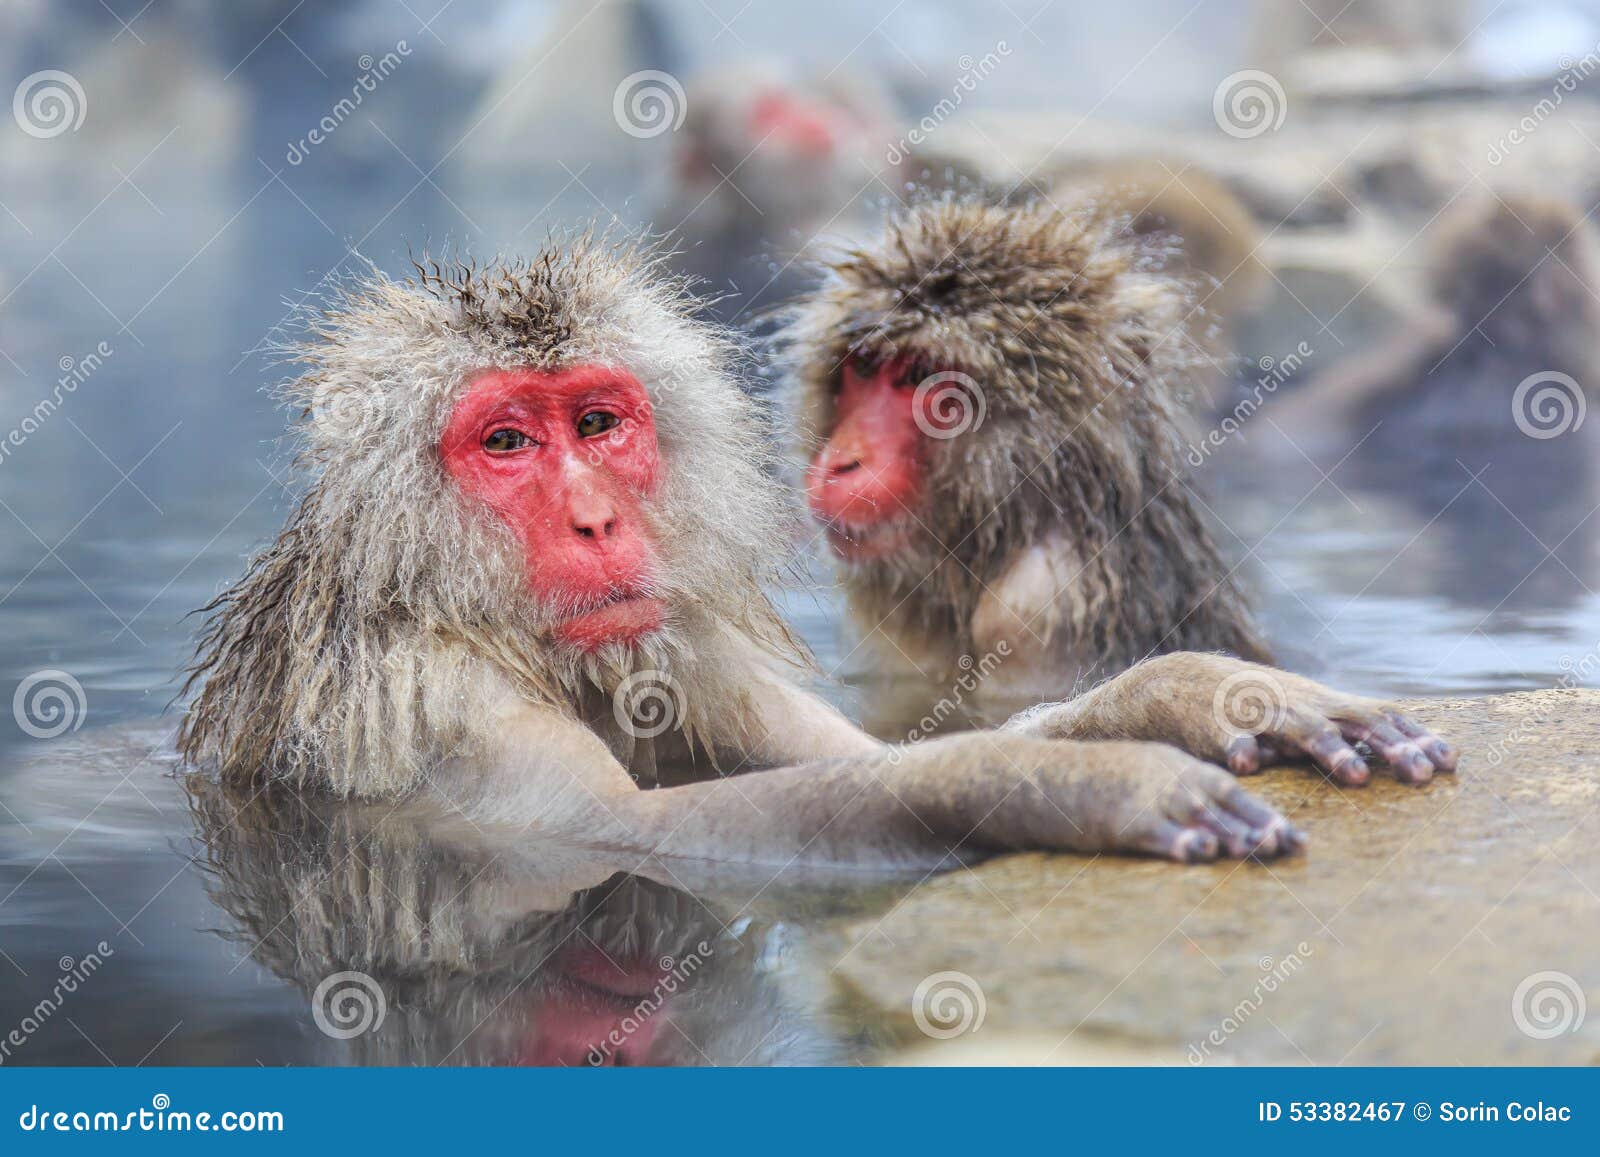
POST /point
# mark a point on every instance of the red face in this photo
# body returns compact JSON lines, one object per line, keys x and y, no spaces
{"x":565,"y":459}
{"x":866,"y":483}
{"x":591,"y":1013}
{"x":783,"y":119}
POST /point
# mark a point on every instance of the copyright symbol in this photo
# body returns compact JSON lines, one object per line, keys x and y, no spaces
{"x":1422,"y":1111}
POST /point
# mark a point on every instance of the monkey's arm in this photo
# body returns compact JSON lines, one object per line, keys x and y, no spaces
{"x":1333,"y":401}
{"x":1243,"y":715}
{"x":947,"y":800}
{"x":780,"y":723}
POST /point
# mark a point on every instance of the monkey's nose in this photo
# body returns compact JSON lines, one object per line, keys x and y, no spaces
{"x":836,"y":460}
{"x":603,"y":526}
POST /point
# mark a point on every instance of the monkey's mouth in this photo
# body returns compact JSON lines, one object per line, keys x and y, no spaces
{"x":624,"y":618}
{"x":865,"y":543}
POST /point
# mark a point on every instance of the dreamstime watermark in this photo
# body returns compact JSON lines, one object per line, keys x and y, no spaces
{"x":648,"y":103}
{"x":648,"y":703}
{"x":160,"y":1117}
{"x":73,"y":973}
{"x":948,"y":404}
{"x":49,"y":703}
{"x":348,"y":1004}
{"x":675,"y":974}
{"x":1574,"y":673}
{"x":1548,"y":404}
{"x":1274,"y":372}
{"x":1547,"y":1005}
{"x":49,"y":103}
{"x":1274,"y":973}
{"x":1248,"y":103}
{"x":973,"y":673}
{"x":1249,"y":702}
{"x":1571,"y":75}
{"x":972,"y":73}
{"x":948,"y":1004}
{"x":373,"y":72}
{"x":74,"y":372}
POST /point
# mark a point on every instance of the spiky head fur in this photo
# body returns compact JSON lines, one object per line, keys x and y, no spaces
{"x":351,"y":652}
{"x":1077,"y":341}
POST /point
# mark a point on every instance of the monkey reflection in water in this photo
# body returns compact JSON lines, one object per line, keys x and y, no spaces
{"x":471,"y":952}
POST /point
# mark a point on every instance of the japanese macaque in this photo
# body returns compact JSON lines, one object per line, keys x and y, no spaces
{"x":989,"y":400}
{"x":762,"y":164}
{"x":1510,"y":286}
{"x":1472,"y":413}
{"x":530,"y":559}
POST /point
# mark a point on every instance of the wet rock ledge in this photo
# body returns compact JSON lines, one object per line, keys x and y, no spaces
{"x":1458,"y":923}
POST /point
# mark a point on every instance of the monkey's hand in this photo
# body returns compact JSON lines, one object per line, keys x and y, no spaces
{"x":1145,"y":798}
{"x":1246,"y":717}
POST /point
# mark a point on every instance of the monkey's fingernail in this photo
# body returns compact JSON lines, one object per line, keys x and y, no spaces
{"x":1242,"y":757}
{"x":1352,"y":769}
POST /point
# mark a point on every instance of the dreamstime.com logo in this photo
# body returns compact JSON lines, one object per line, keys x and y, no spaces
{"x":1249,"y":103}
{"x":649,"y":103}
{"x":348,"y":1004}
{"x":647,"y":704}
{"x":49,"y":703}
{"x":1548,"y":404}
{"x":948,"y":1004}
{"x":1547,"y":1005}
{"x":1249,"y":702}
{"x":948,"y":404}
{"x":49,"y":103}
{"x":160,"y":1117}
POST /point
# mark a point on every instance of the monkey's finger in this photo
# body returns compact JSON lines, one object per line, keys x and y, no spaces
{"x":1327,"y":748}
{"x":1403,"y":756}
{"x":1439,"y":753}
{"x":1271,"y":832}
{"x":1244,"y":755}
{"x":1237,"y":836}
{"x":1187,"y":845}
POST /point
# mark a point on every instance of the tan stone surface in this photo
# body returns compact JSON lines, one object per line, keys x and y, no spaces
{"x":1420,"y":912}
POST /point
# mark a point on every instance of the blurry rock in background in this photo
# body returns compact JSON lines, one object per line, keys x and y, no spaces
{"x":1204,"y":233}
{"x":565,"y":105}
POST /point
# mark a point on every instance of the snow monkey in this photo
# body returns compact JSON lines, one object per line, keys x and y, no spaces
{"x":989,"y":401}
{"x":531,"y":558}
{"x":1510,"y":284}
{"x":987,"y":397}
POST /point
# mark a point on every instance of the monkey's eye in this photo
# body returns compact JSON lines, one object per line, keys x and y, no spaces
{"x":506,"y":440}
{"x":864,"y":363}
{"x":914,"y":374}
{"x":597,"y":422}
